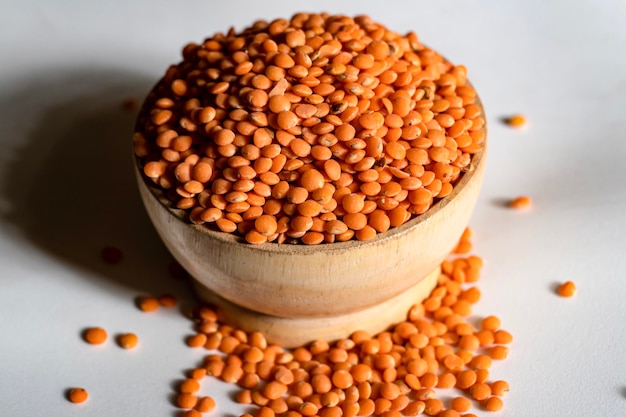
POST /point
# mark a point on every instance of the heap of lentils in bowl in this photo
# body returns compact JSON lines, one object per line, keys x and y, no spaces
{"x":317,"y":129}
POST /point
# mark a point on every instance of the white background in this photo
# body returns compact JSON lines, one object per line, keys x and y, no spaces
{"x":67,"y":189}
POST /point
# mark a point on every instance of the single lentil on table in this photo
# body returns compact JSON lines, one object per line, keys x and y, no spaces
{"x":399,"y":372}
{"x":95,"y":335}
{"x":128,"y":340}
{"x":312,"y":130}
{"x":567,"y":289}
{"x":517,"y":121}
{"x":521,"y":202}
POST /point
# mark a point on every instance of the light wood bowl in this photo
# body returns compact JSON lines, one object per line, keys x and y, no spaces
{"x":299,"y":293}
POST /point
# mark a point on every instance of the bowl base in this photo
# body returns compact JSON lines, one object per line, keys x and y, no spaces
{"x":294,"y":332}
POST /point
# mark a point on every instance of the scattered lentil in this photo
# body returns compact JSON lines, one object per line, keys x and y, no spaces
{"x":187,"y":400}
{"x":567,"y":289}
{"x":499,"y":388}
{"x":167,"y":300}
{"x":128,"y":340}
{"x":493,"y":404}
{"x":95,"y":335}
{"x":517,"y":121}
{"x":205,"y":404}
{"x":520,"y":202}
{"x":461,"y":404}
{"x":78,"y":395}
{"x":148,"y":304}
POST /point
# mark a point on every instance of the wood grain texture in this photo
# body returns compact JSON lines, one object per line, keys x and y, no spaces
{"x":294,"y":332}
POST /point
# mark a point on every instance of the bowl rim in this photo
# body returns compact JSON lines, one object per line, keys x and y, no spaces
{"x":303,"y":249}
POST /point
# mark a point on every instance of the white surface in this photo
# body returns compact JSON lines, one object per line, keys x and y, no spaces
{"x":66,"y":190}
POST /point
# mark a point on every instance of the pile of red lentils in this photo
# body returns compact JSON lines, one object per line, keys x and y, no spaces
{"x":400,"y":372}
{"x":317,"y":129}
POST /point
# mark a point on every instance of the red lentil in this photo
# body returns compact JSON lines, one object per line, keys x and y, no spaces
{"x":480,"y":391}
{"x":78,"y":395}
{"x":521,"y":202}
{"x":493,"y":404}
{"x":189,"y":386}
{"x":128,"y":340}
{"x":499,"y":388}
{"x":148,"y":304}
{"x":95,"y":335}
{"x":461,"y":404}
{"x":186,"y":400}
{"x":517,"y":121}
{"x":167,"y":300}
{"x":567,"y":289}
{"x":205,"y":404}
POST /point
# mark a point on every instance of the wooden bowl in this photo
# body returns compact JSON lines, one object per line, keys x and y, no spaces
{"x":298,"y":293}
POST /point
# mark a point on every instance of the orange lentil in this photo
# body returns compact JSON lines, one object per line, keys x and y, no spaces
{"x":205,"y":404}
{"x":498,"y":352}
{"x":465,"y":379}
{"x":567,"y":289}
{"x":433,"y":407}
{"x":485,"y":337}
{"x":414,"y":408}
{"x":480,"y":391}
{"x":480,"y":362}
{"x":232,"y":373}
{"x":472,"y":295}
{"x":469,"y":342}
{"x":493,"y":404}
{"x":128,"y":340}
{"x":517,"y":120}
{"x":278,"y":405}
{"x":78,"y":395}
{"x":499,"y":388}
{"x":95,"y":335}
{"x":482,"y":375}
{"x":197,"y":340}
{"x":521,"y":202}
{"x":148,"y":304}
{"x":429,"y":380}
{"x":189,"y":386}
{"x":446,"y":380}
{"x":461,"y":404}
{"x":502,"y":337}
{"x":198,"y":373}
{"x":167,"y":300}
{"x":491,"y":323}
{"x":308,"y":409}
{"x":186,"y":400}
{"x":274,"y":390}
